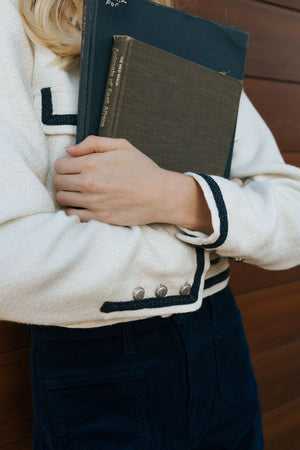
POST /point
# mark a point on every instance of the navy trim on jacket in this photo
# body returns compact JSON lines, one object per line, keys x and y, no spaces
{"x":154,"y":302}
{"x":222,"y":211}
{"x":48,"y":118}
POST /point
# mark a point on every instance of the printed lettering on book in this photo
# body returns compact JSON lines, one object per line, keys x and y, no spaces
{"x":109,"y":87}
{"x":115,"y":2}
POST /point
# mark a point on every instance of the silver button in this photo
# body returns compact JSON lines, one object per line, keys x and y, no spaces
{"x":236,"y":259}
{"x":138,"y":293}
{"x":185,"y":289}
{"x":161,"y":291}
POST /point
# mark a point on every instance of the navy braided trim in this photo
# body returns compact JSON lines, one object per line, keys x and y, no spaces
{"x":222,"y":276}
{"x":154,"y":302}
{"x":48,"y":118}
{"x":221,"y":210}
{"x":214,"y":262}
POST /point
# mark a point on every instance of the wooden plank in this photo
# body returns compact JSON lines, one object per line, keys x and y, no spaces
{"x":20,"y":445}
{"x":274,"y":33}
{"x":278,"y":373}
{"x":281,"y":427}
{"x":13,"y":336}
{"x":294,"y":4}
{"x":247,"y":278}
{"x":279,"y":104}
{"x":271,"y":317}
{"x":292,"y":158}
{"x":16,"y":412}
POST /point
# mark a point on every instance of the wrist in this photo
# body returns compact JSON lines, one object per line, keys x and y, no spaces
{"x":184,"y":203}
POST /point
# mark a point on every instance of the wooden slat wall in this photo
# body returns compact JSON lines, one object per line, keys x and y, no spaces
{"x":274,"y":47}
{"x":15,"y":394}
{"x":293,"y":4}
{"x":269,"y":301}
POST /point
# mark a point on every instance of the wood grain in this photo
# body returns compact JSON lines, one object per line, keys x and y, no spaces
{"x":278,"y":373}
{"x":274,"y":33}
{"x":12,"y":336}
{"x":15,"y":397}
{"x":271,"y":317}
{"x":247,"y":278}
{"x":294,"y":4}
{"x":25,"y":444}
{"x":279,"y":105}
{"x":281,"y":427}
{"x":292,"y":158}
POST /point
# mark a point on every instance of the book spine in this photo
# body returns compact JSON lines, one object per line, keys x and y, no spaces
{"x":84,"y":64}
{"x":113,"y":90}
{"x":83,"y":75}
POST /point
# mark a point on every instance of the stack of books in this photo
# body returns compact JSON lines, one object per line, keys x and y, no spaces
{"x":167,"y":81}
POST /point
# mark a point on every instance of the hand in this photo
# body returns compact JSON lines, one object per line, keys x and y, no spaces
{"x":111,"y":180}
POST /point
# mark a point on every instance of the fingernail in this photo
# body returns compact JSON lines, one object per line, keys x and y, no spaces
{"x":71,"y":147}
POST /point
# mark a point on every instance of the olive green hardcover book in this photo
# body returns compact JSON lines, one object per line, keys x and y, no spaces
{"x":179,"y":113}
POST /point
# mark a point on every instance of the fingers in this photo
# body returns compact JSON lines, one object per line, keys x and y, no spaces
{"x":81,"y":152}
{"x":67,"y":183}
{"x":68,"y":165}
{"x":97,"y":144}
{"x":92,"y":144}
{"x":237,"y":181}
{"x":75,"y":199}
{"x":84,"y":214}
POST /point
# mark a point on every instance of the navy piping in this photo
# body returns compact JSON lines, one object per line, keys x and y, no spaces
{"x":215,"y":261}
{"x":48,"y":118}
{"x":222,"y":276}
{"x":216,"y":191}
{"x":154,"y":302}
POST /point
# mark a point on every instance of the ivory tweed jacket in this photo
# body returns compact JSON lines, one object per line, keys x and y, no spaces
{"x":58,"y":271}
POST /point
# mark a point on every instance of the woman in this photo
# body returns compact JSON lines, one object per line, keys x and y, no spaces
{"x":137,"y":342}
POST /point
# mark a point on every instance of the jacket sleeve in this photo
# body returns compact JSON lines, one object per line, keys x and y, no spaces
{"x":54,"y":269}
{"x":259,"y":223}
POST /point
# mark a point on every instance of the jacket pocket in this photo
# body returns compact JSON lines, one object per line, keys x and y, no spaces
{"x":236,"y":379}
{"x":97,"y":411}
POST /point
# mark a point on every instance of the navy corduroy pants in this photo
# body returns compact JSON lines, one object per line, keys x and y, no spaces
{"x":184,"y":382}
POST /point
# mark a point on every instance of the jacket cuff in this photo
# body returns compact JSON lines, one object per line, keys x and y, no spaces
{"x":217,"y":207}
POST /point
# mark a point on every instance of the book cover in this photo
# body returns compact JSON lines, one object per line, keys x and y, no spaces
{"x":179,"y":113}
{"x":216,"y":46}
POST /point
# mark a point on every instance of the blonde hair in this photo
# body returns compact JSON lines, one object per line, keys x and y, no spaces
{"x":56,"y":24}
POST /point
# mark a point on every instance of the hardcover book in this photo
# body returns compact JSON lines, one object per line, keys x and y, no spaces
{"x":210,"y":44}
{"x":179,"y":113}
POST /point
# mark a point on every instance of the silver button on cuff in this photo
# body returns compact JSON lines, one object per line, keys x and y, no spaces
{"x":239,"y":260}
{"x":185,"y":289}
{"x":138,"y":293}
{"x":161,"y":291}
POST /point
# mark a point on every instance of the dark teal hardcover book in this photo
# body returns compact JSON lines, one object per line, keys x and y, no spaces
{"x":216,"y":46}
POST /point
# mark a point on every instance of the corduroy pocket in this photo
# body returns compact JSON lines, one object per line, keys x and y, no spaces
{"x":99,"y":412}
